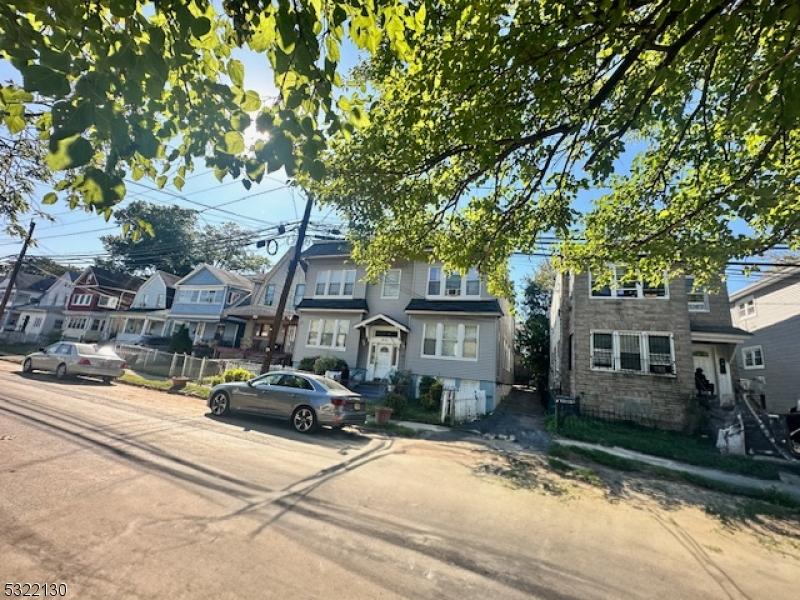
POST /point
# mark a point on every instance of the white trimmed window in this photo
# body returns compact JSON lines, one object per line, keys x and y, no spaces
{"x":623,"y":287}
{"x":753,"y":357}
{"x":335,"y":283}
{"x":269,"y":295}
{"x":108,"y":301}
{"x":454,"y":284}
{"x":189,"y":296}
{"x":746,"y":308}
{"x":633,"y":352}
{"x":450,"y":340}
{"x":81,"y":299}
{"x":328,"y":333}
{"x":299,"y":292}
{"x":391,"y":284}
{"x":696,"y":297}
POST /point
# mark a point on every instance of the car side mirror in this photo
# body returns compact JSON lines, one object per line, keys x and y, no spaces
{"x":41,"y":350}
{"x":249,"y":382}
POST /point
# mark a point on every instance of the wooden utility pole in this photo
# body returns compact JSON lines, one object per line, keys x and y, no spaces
{"x":278,"y":321}
{"x":15,"y":272}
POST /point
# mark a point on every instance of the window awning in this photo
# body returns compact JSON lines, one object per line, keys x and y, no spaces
{"x":718,"y":334}
{"x":385,"y":319}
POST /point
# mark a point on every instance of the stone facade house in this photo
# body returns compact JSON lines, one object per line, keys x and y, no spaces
{"x":629,"y":350}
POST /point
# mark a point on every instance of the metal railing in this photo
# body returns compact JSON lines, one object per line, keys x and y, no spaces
{"x":158,"y":363}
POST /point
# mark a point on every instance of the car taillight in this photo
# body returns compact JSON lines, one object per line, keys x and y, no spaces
{"x":84,"y":361}
{"x":338,"y":401}
{"x":123,"y":365}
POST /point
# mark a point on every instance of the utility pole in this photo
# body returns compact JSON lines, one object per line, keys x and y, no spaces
{"x":15,"y":272}
{"x":278,"y":321}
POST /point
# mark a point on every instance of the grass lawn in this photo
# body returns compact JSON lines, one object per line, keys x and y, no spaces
{"x":693,"y":450}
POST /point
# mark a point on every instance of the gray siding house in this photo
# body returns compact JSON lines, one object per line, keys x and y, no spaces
{"x":630,"y":350}
{"x":417,"y":318}
{"x":770,"y":310}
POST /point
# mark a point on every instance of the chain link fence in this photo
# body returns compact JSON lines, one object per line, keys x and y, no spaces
{"x":157,"y":363}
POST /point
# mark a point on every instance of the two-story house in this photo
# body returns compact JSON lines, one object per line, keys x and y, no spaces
{"x":26,"y":290}
{"x":260,"y":311}
{"x":43,"y":318}
{"x":147,"y":314}
{"x":770,"y":310}
{"x":201,"y":299}
{"x":96,"y":294}
{"x":418,"y":318}
{"x":630,"y":349}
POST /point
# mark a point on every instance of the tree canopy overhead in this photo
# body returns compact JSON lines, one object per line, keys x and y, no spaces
{"x":485,"y":119}
{"x":504,"y":112}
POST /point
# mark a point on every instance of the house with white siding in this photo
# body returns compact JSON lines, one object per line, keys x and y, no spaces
{"x":630,"y":349}
{"x":147,"y":314}
{"x":769,"y":310}
{"x":40,"y":318}
{"x":417,"y":318}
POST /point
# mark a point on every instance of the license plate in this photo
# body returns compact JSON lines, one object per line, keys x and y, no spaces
{"x":104,"y":363}
{"x":356,"y":406}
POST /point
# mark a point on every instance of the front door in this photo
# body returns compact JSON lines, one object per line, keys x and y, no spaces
{"x":382,"y":359}
{"x":704,"y":359}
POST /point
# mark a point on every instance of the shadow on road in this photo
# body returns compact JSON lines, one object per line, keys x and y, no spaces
{"x":69,"y":380}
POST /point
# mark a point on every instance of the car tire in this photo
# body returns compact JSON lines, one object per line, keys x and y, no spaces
{"x":61,"y":371}
{"x":220,"y":404}
{"x":108,"y":379}
{"x":27,"y":366}
{"x":304,"y":419}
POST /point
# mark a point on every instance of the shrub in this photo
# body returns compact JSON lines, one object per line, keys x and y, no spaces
{"x":180,"y":343}
{"x":212,"y":381}
{"x":434,"y":395}
{"x":425,"y":383}
{"x":397,"y":402}
{"x":325,"y":363}
{"x":307,"y":364}
{"x":237,"y":374}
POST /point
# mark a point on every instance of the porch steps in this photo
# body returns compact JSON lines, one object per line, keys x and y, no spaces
{"x":759,"y":437}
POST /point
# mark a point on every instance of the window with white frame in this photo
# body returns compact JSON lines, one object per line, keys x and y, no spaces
{"x":233,"y":296}
{"x":328,"y":333}
{"x":335,"y":283}
{"x":108,"y":301}
{"x":450,"y":340}
{"x":81,"y":299}
{"x":753,"y":357}
{"x":76,"y":323}
{"x":454,"y":283}
{"x":189,"y":296}
{"x":299,"y":292}
{"x":269,"y":295}
{"x":696,"y":297}
{"x":210,"y":296}
{"x":391,"y":284}
{"x":622,"y":286}
{"x":633,"y":352}
{"x":746,"y":307}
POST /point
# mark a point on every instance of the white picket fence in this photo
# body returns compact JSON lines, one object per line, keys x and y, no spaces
{"x":460,"y":406}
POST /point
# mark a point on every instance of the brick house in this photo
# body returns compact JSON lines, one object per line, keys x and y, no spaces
{"x":630,"y":349}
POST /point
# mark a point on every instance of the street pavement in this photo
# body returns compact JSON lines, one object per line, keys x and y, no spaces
{"x":122,"y":492}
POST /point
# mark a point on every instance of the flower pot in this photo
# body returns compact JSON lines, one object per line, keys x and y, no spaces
{"x":178,"y":383}
{"x":382,"y":415}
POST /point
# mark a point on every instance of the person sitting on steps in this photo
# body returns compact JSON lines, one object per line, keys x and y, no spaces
{"x":703,"y":385}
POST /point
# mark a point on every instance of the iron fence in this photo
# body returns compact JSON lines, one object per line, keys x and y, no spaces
{"x":564,"y":407}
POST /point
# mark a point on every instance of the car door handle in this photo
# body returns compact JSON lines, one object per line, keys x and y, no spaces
{"x":295,"y":395}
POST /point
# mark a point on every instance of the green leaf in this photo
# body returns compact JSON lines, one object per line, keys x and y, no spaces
{"x":161,"y":181}
{"x":45,"y":81}
{"x":15,"y":124}
{"x":200,"y":27}
{"x":122,"y":8}
{"x":317,"y":170}
{"x":247,"y":183}
{"x":50,"y":198}
{"x":234,"y":143}
{"x":178,"y":182}
{"x":236,"y":72}
{"x":251,"y":102}
{"x":69,"y":152}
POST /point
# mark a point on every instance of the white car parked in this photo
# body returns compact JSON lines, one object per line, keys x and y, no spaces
{"x":72,"y":358}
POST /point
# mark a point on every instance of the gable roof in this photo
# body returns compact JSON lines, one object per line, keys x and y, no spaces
{"x":111,"y":281}
{"x":323,"y":249}
{"x":28,"y":281}
{"x":169,"y":279}
{"x":223,"y":276}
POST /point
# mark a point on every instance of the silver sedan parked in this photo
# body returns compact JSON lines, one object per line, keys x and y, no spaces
{"x":307,"y":400}
{"x":72,"y":358}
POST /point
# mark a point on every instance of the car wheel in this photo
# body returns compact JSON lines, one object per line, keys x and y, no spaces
{"x":108,"y":379}
{"x":61,"y":371}
{"x":220,"y":404}
{"x":27,"y":366}
{"x":304,"y":420}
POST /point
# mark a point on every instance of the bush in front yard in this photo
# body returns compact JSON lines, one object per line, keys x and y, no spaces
{"x":328,"y":363}
{"x":236,"y":375}
{"x":307,"y":364}
{"x":397,"y":402}
{"x":431,"y":399}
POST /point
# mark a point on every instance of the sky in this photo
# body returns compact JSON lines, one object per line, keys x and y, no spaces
{"x":74,"y":237}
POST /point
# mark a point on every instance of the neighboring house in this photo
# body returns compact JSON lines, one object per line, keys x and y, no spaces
{"x":630,"y":350}
{"x":770,"y":310}
{"x":417,"y":319}
{"x":43,"y":319}
{"x":260,"y":311}
{"x":201,"y":299}
{"x":97,"y":294}
{"x":147,"y":314}
{"x":27,"y":290}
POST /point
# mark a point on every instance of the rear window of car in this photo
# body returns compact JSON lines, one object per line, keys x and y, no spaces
{"x":332,"y":384}
{"x":85,"y":349}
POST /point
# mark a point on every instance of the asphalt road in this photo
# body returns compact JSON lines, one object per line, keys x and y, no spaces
{"x":120,"y":492}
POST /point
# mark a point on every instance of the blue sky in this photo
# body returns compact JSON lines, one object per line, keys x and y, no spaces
{"x":74,"y":237}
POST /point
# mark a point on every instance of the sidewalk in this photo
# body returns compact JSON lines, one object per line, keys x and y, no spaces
{"x":789,"y":484}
